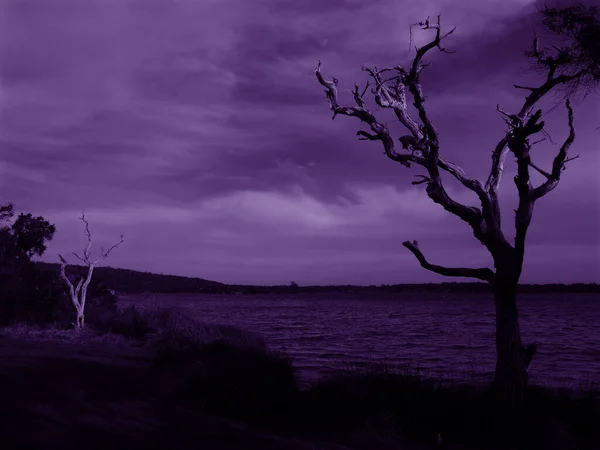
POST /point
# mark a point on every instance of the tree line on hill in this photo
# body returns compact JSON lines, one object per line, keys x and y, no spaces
{"x":132,"y":281}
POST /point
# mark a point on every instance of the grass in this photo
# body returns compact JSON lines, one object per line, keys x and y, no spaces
{"x":157,"y":379}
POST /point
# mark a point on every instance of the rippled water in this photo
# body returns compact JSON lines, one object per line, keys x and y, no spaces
{"x":449,"y":335}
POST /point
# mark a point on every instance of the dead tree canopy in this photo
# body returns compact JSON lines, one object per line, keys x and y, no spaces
{"x":391,"y":87}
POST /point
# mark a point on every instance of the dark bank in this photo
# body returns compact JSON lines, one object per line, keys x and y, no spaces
{"x":157,"y":379}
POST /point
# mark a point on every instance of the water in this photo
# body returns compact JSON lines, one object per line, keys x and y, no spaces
{"x":450,"y":335}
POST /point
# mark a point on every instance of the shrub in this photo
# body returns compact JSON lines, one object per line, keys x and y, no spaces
{"x":179,"y":338}
{"x":11,"y":291}
{"x":129,"y":322}
{"x":402,"y":403}
{"x":252,"y":384}
{"x":30,"y":295}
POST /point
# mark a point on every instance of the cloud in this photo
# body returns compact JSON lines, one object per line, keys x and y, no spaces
{"x":194,"y":125}
{"x":292,"y":211}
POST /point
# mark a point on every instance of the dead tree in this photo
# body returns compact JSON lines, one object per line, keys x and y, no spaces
{"x":78,"y":293}
{"x":391,"y":88}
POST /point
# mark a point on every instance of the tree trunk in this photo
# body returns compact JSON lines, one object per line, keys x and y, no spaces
{"x":79,"y":321}
{"x":510,"y":378}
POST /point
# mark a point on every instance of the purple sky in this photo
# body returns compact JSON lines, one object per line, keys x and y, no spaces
{"x":198,"y":129}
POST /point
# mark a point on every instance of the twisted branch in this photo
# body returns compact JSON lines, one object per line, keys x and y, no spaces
{"x":558,"y":165}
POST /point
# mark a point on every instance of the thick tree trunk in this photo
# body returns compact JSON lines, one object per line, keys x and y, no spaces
{"x":510,"y":378}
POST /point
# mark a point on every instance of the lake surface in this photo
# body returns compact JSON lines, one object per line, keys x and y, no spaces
{"x":450,"y":335}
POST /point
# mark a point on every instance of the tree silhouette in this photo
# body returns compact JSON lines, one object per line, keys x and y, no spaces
{"x":26,"y":237}
{"x":31,"y":234}
{"x":572,"y":67}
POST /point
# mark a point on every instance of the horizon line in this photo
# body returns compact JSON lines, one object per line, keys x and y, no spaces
{"x":324,"y":285}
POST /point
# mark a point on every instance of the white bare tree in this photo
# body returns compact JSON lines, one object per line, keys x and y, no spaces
{"x":78,"y":293}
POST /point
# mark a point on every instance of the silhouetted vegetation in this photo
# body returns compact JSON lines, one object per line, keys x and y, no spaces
{"x":188,"y":384}
{"x":24,"y":294}
{"x":131,"y":281}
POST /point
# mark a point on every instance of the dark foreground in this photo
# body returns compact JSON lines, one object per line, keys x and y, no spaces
{"x":108,"y":392}
{"x":73,"y":396}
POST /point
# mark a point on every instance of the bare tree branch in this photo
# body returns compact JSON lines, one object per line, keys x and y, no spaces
{"x":394,"y":98}
{"x":63,"y":275}
{"x":538,"y":141}
{"x":104,"y":253}
{"x":79,"y":257}
{"x":524,"y":87}
{"x":518,"y":143}
{"x":358,"y":98}
{"x":484,"y":274}
{"x":470,"y":183}
{"x":559,"y":161}
{"x":423,"y":179}
{"x":536,"y":93}
{"x":78,"y":288}
{"x":435,"y":189}
{"x":367,"y":136}
{"x":543,"y":172}
{"x":86,"y":250}
{"x":423,"y":140}
{"x":511,"y":120}
{"x":411,"y":79}
{"x":380,"y":131}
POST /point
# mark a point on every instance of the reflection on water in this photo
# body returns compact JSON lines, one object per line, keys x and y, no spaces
{"x":450,"y":336}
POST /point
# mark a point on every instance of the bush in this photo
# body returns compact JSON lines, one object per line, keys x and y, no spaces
{"x":369,"y":394}
{"x":219,"y":368}
{"x":29,"y":295}
{"x":11,"y":291}
{"x":129,"y":322}
{"x":252,"y":384}
{"x":402,"y":403}
{"x":177,"y":338}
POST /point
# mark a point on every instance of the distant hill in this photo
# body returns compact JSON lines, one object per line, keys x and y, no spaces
{"x":131,"y":281}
